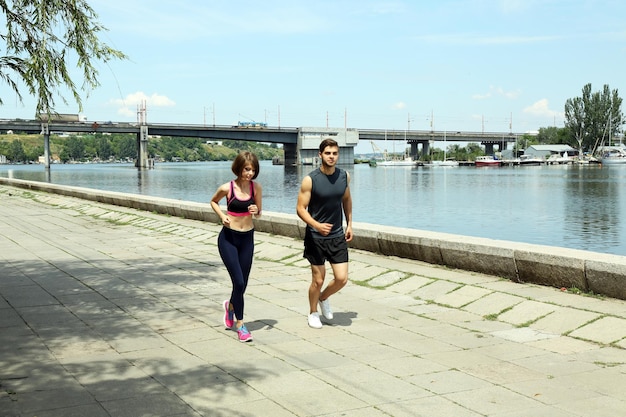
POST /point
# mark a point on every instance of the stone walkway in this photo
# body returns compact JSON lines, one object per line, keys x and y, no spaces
{"x":108,"y":311}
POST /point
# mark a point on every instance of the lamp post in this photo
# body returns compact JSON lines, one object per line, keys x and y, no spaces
{"x":432,"y":122}
{"x":408,"y":128}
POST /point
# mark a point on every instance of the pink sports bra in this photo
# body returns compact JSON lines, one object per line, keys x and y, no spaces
{"x":236,"y":207}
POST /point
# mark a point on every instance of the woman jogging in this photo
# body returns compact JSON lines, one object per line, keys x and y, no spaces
{"x":236,"y":239}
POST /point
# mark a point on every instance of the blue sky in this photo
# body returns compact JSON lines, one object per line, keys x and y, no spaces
{"x":461,"y":65}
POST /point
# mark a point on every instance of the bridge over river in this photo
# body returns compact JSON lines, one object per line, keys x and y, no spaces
{"x":300,"y":144}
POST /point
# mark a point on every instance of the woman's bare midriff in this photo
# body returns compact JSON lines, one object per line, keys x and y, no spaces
{"x":241,"y":224}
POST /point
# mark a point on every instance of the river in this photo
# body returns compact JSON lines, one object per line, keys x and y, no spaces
{"x":578,"y":207}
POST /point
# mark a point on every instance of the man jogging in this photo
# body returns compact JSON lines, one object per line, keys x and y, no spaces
{"x":323,"y":200}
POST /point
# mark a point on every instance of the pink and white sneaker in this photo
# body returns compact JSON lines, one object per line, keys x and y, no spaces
{"x":244,"y":334}
{"x":229,"y":316}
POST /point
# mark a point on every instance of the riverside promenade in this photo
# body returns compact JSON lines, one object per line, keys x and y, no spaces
{"x":112,"y":311}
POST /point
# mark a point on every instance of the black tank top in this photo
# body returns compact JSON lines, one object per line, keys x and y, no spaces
{"x":326,"y":205}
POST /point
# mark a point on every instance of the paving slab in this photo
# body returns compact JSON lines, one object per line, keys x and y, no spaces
{"x":111,"y":311}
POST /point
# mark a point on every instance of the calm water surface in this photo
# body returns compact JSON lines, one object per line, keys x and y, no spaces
{"x":577,"y":207}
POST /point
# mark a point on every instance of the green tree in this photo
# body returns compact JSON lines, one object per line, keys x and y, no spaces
{"x":473,"y":149}
{"x":593,"y":118}
{"x":524,"y":142}
{"x":548,"y":135}
{"x":45,"y":41}
{"x":16,"y":151}
{"x":75,"y":148}
{"x":33,"y":153}
{"x":103,"y":148}
{"x":454,"y":151}
{"x":124,"y":147}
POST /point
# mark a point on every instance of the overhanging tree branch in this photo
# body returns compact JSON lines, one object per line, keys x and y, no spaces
{"x":44,"y":40}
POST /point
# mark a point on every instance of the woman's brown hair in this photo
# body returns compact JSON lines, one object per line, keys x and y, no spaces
{"x":242,"y":160}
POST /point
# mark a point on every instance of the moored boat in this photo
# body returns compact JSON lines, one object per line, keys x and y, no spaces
{"x":613,"y":155}
{"x":446,"y":163}
{"x":530,"y":160}
{"x":390,"y":160}
{"x":449,"y":163}
{"x":486,"y":161}
{"x":614,"y":159}
{"x":558,"y":159}
{"x":405,"y":162}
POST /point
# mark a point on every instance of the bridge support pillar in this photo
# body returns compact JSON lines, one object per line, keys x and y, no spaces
{"x":413,"y":152}
{"x":502,"y":145}
{"x":291,"y":154}
{"x":142,"y":147}
{"x":309,"y":139}
{"x":415,"y":149}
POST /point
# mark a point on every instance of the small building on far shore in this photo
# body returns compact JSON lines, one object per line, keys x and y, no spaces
{"x":544,"y":151}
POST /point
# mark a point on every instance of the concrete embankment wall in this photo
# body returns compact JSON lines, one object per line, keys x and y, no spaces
{"x":546,"y":265}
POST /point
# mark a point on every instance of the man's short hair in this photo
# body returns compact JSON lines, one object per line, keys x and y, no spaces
{"x":328,"y":142}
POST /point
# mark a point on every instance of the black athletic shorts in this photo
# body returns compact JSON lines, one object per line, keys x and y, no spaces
{"x":318,"y":251}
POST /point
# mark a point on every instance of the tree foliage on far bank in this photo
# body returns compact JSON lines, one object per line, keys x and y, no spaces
{"x":594,"y":117}
{"x":196,"y":149}
{"x":456,"y":152}
{"x":123,"y":147}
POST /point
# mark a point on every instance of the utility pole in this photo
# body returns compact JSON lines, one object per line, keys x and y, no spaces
{"x":432,"y":121}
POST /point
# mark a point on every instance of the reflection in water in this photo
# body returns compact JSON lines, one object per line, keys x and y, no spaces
{"x":141,"y":182}
{"x":291,"y":177}
{"x":568,"y":206}
{"x":593,"y":212}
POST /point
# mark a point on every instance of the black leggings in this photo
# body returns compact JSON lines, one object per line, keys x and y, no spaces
{"x":236,"y":249}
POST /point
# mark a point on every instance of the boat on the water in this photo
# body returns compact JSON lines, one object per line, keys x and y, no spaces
{"x":559,"y":159}
{"x":486,"y":161}
{"x":530,"y":160}
{"x":446,"y":163}
{"x":613,"y":155}
{"x":387,"y":160}
{"x":404,"y":162}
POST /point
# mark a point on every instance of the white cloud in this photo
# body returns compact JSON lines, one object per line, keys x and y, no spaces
{"x":129,"y":105}
{"x":508,"y":94}
{"x":481,"y":96}
{"x":540,"y":108}
{"x":399,"y":105}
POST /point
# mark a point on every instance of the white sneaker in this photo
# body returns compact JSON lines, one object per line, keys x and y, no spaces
{"x":314,"y":320}
{"x":326,"y":311}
